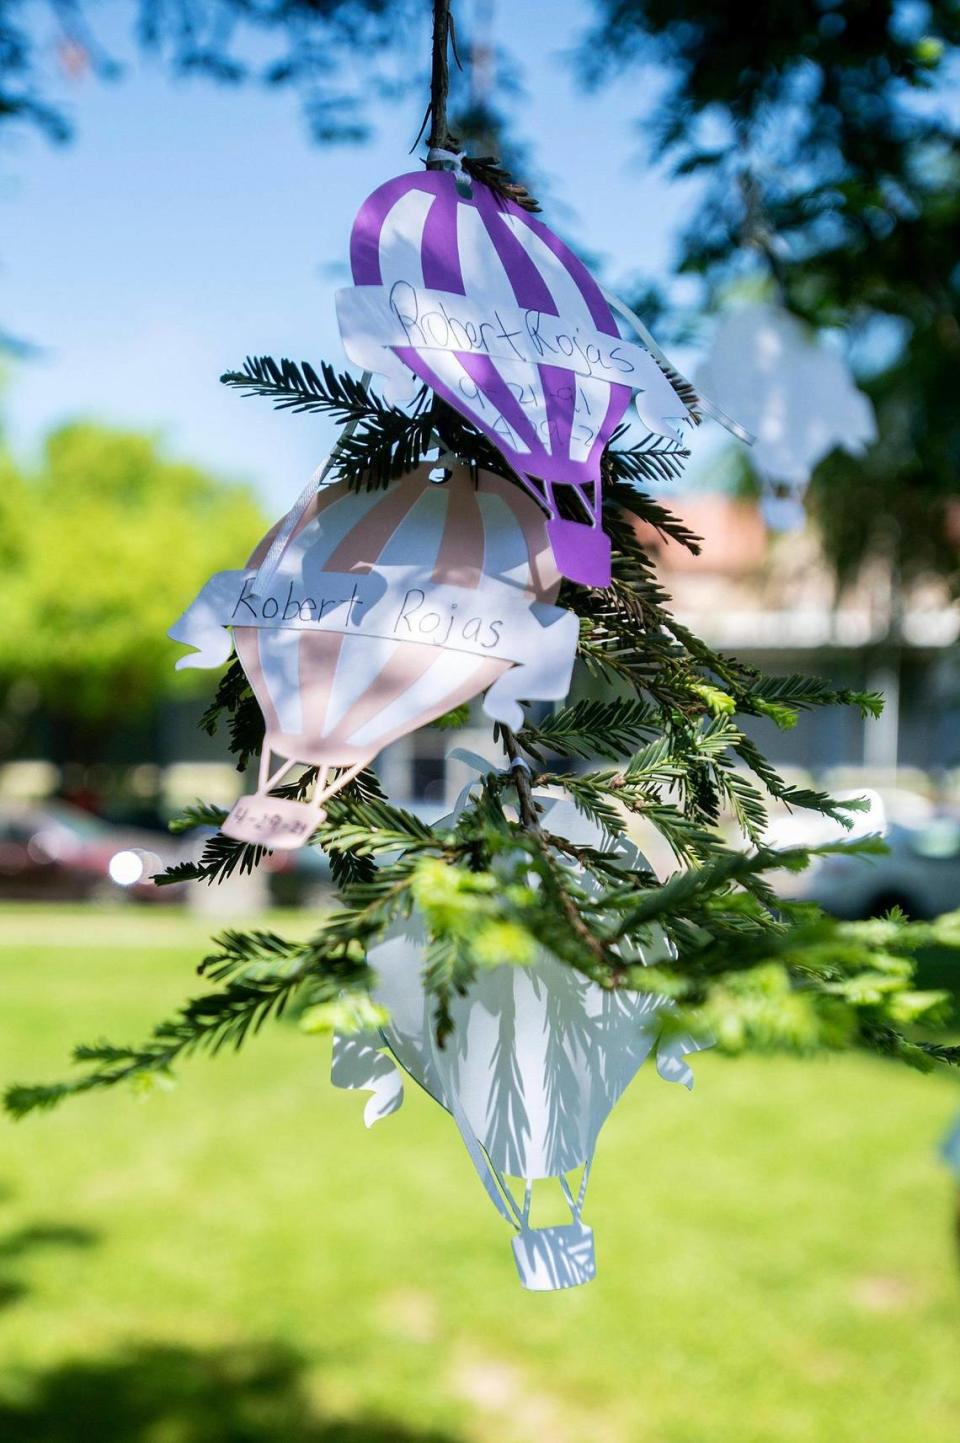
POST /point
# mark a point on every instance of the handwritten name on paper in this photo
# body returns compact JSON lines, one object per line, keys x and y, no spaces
{"x":435,"y":320}
{"x":391,"y":603}
{"x":420,"y":614}
{"x":397,"y":605}
{"x":409,"y":315}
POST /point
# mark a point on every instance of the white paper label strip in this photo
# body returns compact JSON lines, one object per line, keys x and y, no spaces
{"x":374,"y":320}
{"x":397,"y":603}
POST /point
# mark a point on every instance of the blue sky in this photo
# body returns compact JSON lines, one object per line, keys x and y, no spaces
{"x":188,"y":224}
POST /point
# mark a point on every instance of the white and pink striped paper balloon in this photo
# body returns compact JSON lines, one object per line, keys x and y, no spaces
{"x":356,"y":694}
{"x":385,"y":611}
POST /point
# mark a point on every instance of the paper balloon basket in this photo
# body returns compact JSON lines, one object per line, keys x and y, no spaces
{"x":536,"y":1059}
{"x":556,"y":1257}
{"x":284,"y":823}
{"x":581,"y":552}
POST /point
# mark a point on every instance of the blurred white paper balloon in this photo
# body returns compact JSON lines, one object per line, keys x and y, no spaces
{"x":950,"y":1149}
{"x":796,"y":395}
{"x":537,"y":1058}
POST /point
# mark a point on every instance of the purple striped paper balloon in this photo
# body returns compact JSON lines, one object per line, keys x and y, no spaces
{"x":549,"y":423}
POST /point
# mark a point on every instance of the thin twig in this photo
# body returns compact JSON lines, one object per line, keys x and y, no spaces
{"x":423,"y":126}
{"x":521,"y":780}
{"x":530,"y":818}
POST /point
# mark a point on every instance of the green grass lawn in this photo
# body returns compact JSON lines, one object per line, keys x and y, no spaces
{"x":240,"y":1261}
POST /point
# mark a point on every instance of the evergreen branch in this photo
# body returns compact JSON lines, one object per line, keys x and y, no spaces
{"x":244,"y":717}
{"x":247,"y":953}
{"x":684,"y":390}
{"x":299,"y":388}
{"x":805,"y":692}
{"x":620,"y":495}
{"x":792,"y":796}
{"x":221,"y":858}
{"x":386,"y":442}
{"x":267,"y":973}
{"x":564,"y":905}
{"x":198,"y":814}
{"x":652,"y":513}
{"x":652,"y":459}
{"x":357,"y":823}
{"x":384,"y":446}
{"x":589,"y":729}
{"x":603,"y":795}
{"x":743,"y":799}
{"x":728,"y":867}
{"x":594,"y":803}
{"x":347,"y":866}
{"x":369,"y":828}
{"x":610,"y":868}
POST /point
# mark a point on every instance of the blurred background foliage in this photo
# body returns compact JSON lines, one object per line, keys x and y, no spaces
{"x":828,"y":133}
{"x":100,"y":542}
{"x":336,"y":55}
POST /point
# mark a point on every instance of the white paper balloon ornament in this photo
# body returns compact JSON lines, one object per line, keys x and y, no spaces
{"x":383,"y":613}
{"x":536,"y":1060}
{"x":485,"y":304}
{"x":796,"y":396}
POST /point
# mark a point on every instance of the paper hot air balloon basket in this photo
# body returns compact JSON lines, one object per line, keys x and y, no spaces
{"x":581,"y":549}
{"x":575,"y":544}
{"x":561,"y":1256}
{"x":555,"y":1257}
{"x":283,"y":823}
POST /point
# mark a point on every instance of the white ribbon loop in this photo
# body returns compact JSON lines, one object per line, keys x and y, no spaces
{"x":452,"y":161}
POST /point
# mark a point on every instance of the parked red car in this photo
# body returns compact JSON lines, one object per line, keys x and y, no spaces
{"x":55,"y":851}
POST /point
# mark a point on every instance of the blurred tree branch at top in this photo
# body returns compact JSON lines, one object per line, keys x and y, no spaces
{"x":337,"y":55}
{"x":821,"y":128}
{"x":828,"y":140}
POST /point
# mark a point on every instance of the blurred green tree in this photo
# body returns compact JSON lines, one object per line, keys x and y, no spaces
{"x":827,"y":131}
{"x":98,"y":546}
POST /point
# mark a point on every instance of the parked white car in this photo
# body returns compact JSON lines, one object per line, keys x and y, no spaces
{"x":920,"y":874}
